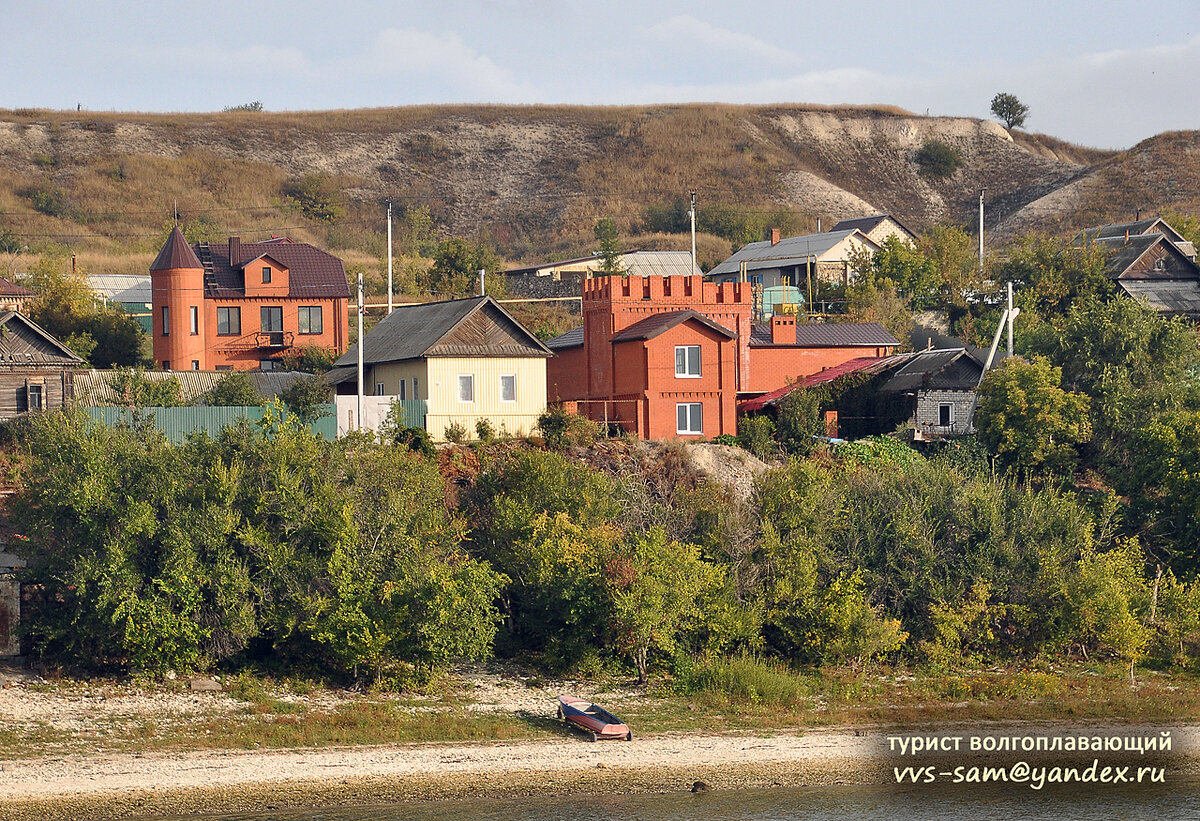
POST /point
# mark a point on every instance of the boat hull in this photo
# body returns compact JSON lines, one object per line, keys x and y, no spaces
{"x":600,"y":723}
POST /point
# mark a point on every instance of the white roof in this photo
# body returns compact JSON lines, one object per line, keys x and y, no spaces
{"x":788,"y":252}
{"x":122,"y":287}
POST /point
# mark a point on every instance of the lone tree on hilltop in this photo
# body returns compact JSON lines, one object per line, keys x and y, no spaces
{"x":1009,"y":109}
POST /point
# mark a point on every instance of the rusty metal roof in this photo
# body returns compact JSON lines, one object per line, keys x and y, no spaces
{"x":827,"y":375}
{"x":12,"y":289}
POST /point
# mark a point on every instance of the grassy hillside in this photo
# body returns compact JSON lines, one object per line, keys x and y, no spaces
{"x":535,"y":179}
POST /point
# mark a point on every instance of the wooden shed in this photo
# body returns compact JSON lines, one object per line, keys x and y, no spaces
{"x":35,"y":368}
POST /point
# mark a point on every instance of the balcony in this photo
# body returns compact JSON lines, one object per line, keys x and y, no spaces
{"x":274,"y":339}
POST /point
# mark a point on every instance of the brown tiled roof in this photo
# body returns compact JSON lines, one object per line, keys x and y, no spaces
{"x":830,"y":335}
{"x":656,"y":324}
{"x":175,"y":253}
{"x":312,"y":273}
{"x":12,"y":289}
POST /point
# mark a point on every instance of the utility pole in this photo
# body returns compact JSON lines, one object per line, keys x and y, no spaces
{"x":692,"y":214}
{"x":358,"y":422}
{"x":389,"y":202}
{"x":1011,"y":314}
{"x":981,"y":190}
{"x":482,"y":288}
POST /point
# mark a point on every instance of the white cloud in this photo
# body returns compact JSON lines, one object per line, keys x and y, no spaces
{"x":447,"y":64}
{"x":685,"y":33}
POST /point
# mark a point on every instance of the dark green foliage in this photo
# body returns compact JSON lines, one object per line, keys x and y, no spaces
{"x":456,"y":266}
{"x":757,"y":435}
{"x":134,"y":389}
{"x":1009,"y":110}
{"x":562,"y":429}
{"x":234,"y":389}
{"x":309,"y":359}
{"x":740,"y":225}
{"x":938,"y":159}
{"x":801,"y":423}
{"x":305,"y":398}
{"x":316,"y":196}
{"x":51,"y":201}
{"x":255,"y":106}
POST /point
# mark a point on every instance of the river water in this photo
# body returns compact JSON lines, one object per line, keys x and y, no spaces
{"x":1159,"y":802}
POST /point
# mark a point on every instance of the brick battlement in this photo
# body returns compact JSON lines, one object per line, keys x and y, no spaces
{"x":681,"y":291}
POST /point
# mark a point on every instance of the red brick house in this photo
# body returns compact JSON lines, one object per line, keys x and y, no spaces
{"x":661,"y":356}
{"x":243,"y":305}
{"x":785,"y":351}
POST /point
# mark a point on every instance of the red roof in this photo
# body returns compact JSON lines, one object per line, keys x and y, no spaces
{"x":827,"y":375}
{"x":176,"y":253}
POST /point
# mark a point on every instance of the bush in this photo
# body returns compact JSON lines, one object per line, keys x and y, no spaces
{"x":563,"y":429}
{"x":305,"y":398}
{"x":456,"y":432}
{"x":938,"y":159}
{"x":317,"y":197}
{"x":740,"y":679}
{"x":484,"y":431}
{"x":757,"y":435}
{"x":234,"y":389}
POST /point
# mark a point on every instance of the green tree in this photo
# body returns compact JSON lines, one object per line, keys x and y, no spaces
{"x":1009,"y":110}
{"x":938,"y":159}
{"x":317,"y":196}
{"x":234,"y":389}
{"x":305,"y":398}
{"x":456,"y":266}
{"x":658,"y":589}
{"x":612,"y":261}
{"x":1028,"y":420}
{"x":309,"y":359}
{"x":134,"y":389}
{"x":1050,"y":275}
{"x":801,"y":423}
{"x":897,"y":263}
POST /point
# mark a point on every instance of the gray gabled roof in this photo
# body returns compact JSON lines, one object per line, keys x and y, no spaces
{"x":411,"y":331}
{"x":33,"y":346}
{"x":637,"y":263}
{"x":786,"y":252}
{"x":945,"y":369}
{"x":1154,"y":225}
{"x":1166,"y":296}
{"x":571,"y":339}
{"x":1122,"y":253}
{"x":656,"y":324}
{"x":867,"y":224}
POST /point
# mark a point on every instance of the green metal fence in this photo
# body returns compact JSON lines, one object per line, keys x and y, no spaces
{"x":177,"y":423}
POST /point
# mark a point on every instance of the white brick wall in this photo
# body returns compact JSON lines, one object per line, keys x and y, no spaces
{"x":962,"y":412}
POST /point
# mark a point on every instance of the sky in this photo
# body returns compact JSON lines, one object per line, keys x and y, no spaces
{"x":1097,"y":73}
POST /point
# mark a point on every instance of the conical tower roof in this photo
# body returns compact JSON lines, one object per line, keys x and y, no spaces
{"x":176,"y":253}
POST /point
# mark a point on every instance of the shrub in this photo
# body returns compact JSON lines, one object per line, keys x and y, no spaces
{"x":938,"y":159}
{"x":456,"y":432}
{"x":234,"y":389}
{"x":563,"y":429}
{"x":305,"y":398}
{"x":757,"y":435}
{"x":743,"y":678}
{"x":316,"y":196}
{"x":484,"y":431}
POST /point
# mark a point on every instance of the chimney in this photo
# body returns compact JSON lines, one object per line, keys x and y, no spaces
{"x":773,"y":236}
{"x":1126,"y":236}
{"x":783,"y":330}
{"x":235,"y":251}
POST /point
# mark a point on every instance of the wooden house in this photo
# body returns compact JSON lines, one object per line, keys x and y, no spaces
{"x":36,"y":370}
{"x":466,"y":359}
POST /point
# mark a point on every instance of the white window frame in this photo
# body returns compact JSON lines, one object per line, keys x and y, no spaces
{"x":194,"y":319}
{"x":689,"y":366}
{"x":513,"y":377}
{"x":466,"y":380}
{"x":693,"y":418}
{"x":950,"y":415}
{"x":39,"y":391}
{"x":401,"y":385}
{"x":379,"y":389}
{"x":166,"y":320}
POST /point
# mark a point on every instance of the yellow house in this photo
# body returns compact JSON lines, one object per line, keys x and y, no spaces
{"x":457,"y":362}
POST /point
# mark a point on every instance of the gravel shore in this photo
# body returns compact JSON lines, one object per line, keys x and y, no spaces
{"x":123,"y":786}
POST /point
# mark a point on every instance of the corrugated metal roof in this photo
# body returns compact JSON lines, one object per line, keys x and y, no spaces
{"x":411,"y":330}
{"x":656,"y":324}
{"x":571,"y":339}
{"x":1168,"y":296}
{"x":829,"y":335}
{"x":786,"y":252}
{"x":1154,"y":225}
{"x":122,"y":287}
{"x":175,"y":253}
{"x":827,"y":375}
{"x":312,"y":273}
{"x":661,"y":263}
{"x":93,"y":387}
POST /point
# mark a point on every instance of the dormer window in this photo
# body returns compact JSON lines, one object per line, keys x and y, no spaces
{"x":1160,"y":265}
{"x":266,"y":272}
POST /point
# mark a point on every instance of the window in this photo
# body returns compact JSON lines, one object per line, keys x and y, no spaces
{"x":379,"y":389}
{"x":466,"y":387}
{"x":272,"y":320}
{"x":687,"y":361}
{"x":508,"y":388}
{"x":415,"y":394}
{"x":166,"y":321}
{"x":195,"y":364}
{"x":194,"y":319}
{"x":689,"y":418}
{"x":33,"y":397}
{"x":266,"y":272}
{"x":310,"y":319}
{"x":224,"y":367}
{"x":267,"y":364}
{"x":402,"y":386}
{"x":229,"y":321}
{"x":166,"y":364}
{"x":945,"y":415}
